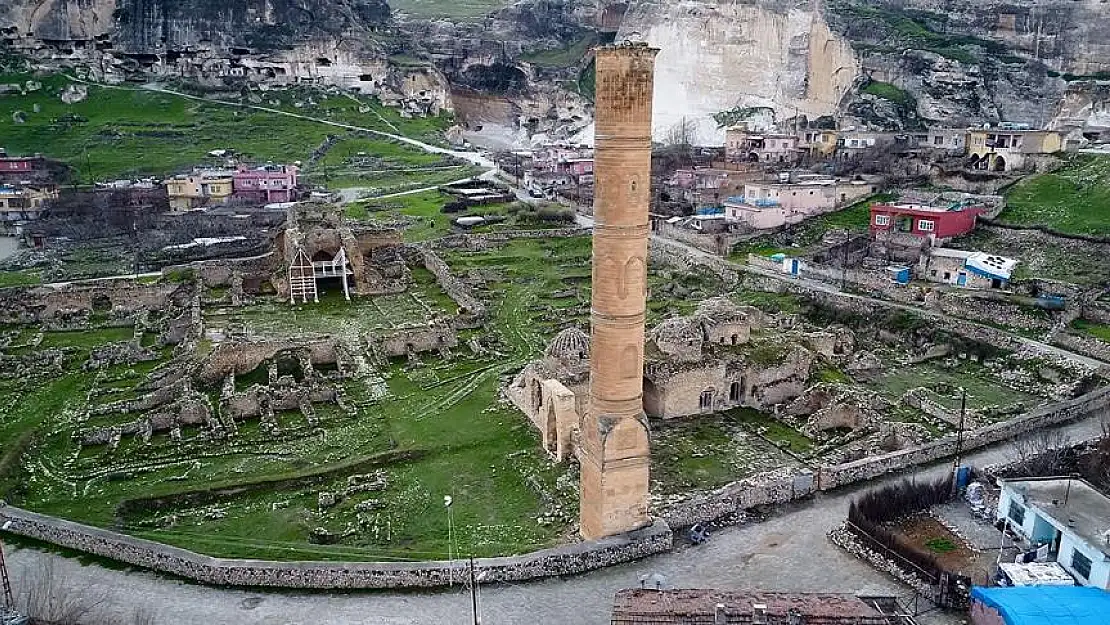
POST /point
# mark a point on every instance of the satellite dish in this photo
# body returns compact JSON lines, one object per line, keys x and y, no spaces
{"x":447,"y":501}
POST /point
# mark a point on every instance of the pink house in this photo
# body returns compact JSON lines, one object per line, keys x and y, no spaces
{"x":268,"y":183}
{"x":771,"y":205}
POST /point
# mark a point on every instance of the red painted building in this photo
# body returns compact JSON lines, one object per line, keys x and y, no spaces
{"x":16,"y":169}
{"x":938,"y":222}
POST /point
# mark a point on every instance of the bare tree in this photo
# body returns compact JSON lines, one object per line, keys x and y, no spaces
{"x":1045,"y":452}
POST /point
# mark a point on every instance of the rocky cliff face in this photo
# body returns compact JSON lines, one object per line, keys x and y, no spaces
{"x":717,"y":55}
{"x":884,"y":63}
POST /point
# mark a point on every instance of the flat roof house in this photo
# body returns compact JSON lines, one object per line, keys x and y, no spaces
{"x":723,"y":607}
{"x":1040,"y":605}
{"x":770,"y":205}
{"x":1067,"y":516}
{"x":931,"y":222}
{"x":1008,"y":148}
{"x":974,"y":270}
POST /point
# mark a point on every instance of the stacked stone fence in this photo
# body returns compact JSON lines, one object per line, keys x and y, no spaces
{"x":672,"y":253}
{"x":1089,"y":238}
{"x":1086,"y":345}
{"x":470,"y":305}
{"x":563,"y":560}
{"x":482,"y":240}
{"x":785,"y":485}
{"x":1098,"y":312}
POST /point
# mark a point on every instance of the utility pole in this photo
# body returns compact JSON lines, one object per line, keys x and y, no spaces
{"x":9,"y":600}
{"x":450,"y":542}
{"x":474,"y":593}
{"x":959,"y":438}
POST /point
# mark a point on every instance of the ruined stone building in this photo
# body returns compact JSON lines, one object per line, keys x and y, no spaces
{"x":697,"y":364}
{"x":318,"y":250}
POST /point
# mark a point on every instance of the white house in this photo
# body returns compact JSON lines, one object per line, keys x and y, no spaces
{"x":1066,"y":515}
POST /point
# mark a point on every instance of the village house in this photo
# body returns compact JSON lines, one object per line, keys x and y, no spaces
{"x":973,"y":270}
{"x":646,"y":606}
{"x":265,"y":184}
{"x":1066,"y":519}
{"x":935,"y":223}
{"x":744,"y":145}
{"x":817,"y":142}
{"x":851,"y":142}
{"x":17,"y":169}
{"x":791,"y":200}
{"x":1011,"y":147}
{"x":704,"y":186}
{"x":1039,"y":605}
{"x":948,"y":139}
{"x":200,"y":188}
{"x":24,"y":203}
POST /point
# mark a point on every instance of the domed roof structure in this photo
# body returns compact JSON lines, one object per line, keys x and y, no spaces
{"x":720,"y":309}
{"x":569,"y":345}
{"x":678,"y":331}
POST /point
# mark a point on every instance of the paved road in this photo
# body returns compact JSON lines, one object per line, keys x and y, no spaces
{"x":788,"y":552}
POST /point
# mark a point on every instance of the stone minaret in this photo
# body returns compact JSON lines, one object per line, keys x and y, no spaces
{"x":613,"y":449}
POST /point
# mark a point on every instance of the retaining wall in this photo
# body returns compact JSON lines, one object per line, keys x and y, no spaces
{"x":564,"y":560}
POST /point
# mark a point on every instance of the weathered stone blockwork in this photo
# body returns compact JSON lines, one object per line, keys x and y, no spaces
{"x":565,"y":560}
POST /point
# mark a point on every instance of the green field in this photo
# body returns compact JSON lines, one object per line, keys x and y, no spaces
{"x":568,"y":56}
{"x":464,"y":10}
{"x":1100,"y":331}
{"x":889,"y":92}
{"x":1073,"y":199}
{"x":121,"y":132}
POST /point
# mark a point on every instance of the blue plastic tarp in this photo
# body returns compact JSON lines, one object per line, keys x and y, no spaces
{"x":1047,"y":605}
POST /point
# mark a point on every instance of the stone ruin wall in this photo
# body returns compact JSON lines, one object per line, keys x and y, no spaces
{"x":557,"y":561}
{"x":784,"y":485}
{"x":472,"y":311}
{"x":46,"y":303}
{"x":243,"y":357}
{"x":427,"y":338}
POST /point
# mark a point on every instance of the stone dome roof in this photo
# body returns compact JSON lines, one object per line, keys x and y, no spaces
{"x":570,"y":344}
{"x":678,"y":330}
{"x":720,"y":309}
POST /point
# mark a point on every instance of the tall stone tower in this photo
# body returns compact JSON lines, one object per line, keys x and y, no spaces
{"x":613,"y":450}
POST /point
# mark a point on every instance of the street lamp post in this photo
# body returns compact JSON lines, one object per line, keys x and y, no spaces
{"x":447,"y":501}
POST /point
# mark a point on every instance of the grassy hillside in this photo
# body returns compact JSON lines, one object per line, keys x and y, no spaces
{"x":125,"y":132}
{"x":1074,"y":198}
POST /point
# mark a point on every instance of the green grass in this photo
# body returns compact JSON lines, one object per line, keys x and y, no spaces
{"x":24,"y":277}
{"x":1100,"y":331}
{"x":982,"y":389}
{"x":772,"y":428}
{"x":940,"y":545}
{"x":889,"y":92}
{"x":1073,"y":199}
{"x":853,"y":218}
{"x":465,"y":10}
{"x":122,"y":132}
{"x":567,"y":56}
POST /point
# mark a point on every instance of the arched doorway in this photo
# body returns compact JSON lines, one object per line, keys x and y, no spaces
{"x":999,"y":163}
{"x":735,"y":392}
{"x":653,"y":402}
{"x":705,"y":400}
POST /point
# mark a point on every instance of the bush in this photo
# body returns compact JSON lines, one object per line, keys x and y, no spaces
{"x":869,"y":515}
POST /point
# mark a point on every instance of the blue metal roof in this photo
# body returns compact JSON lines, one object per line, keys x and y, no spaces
{"x":1046,"y":605}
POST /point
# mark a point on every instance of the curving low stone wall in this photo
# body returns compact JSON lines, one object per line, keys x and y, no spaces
{"x":563,"y":560}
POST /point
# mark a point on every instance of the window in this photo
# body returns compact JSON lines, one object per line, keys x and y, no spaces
{"x":938,"y":140}
{"x":734,"y":392}
{"x":1017,"y":513}
{"x":705,"y":402}
{"x":925,"y":225}
{"x":1080,"y":563}
{"x":882,"y":220}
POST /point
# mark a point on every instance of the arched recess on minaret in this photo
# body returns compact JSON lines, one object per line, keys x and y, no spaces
{"x":631,"y":363}
{"x":625,"y":435}
{"x":634,"y":272}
